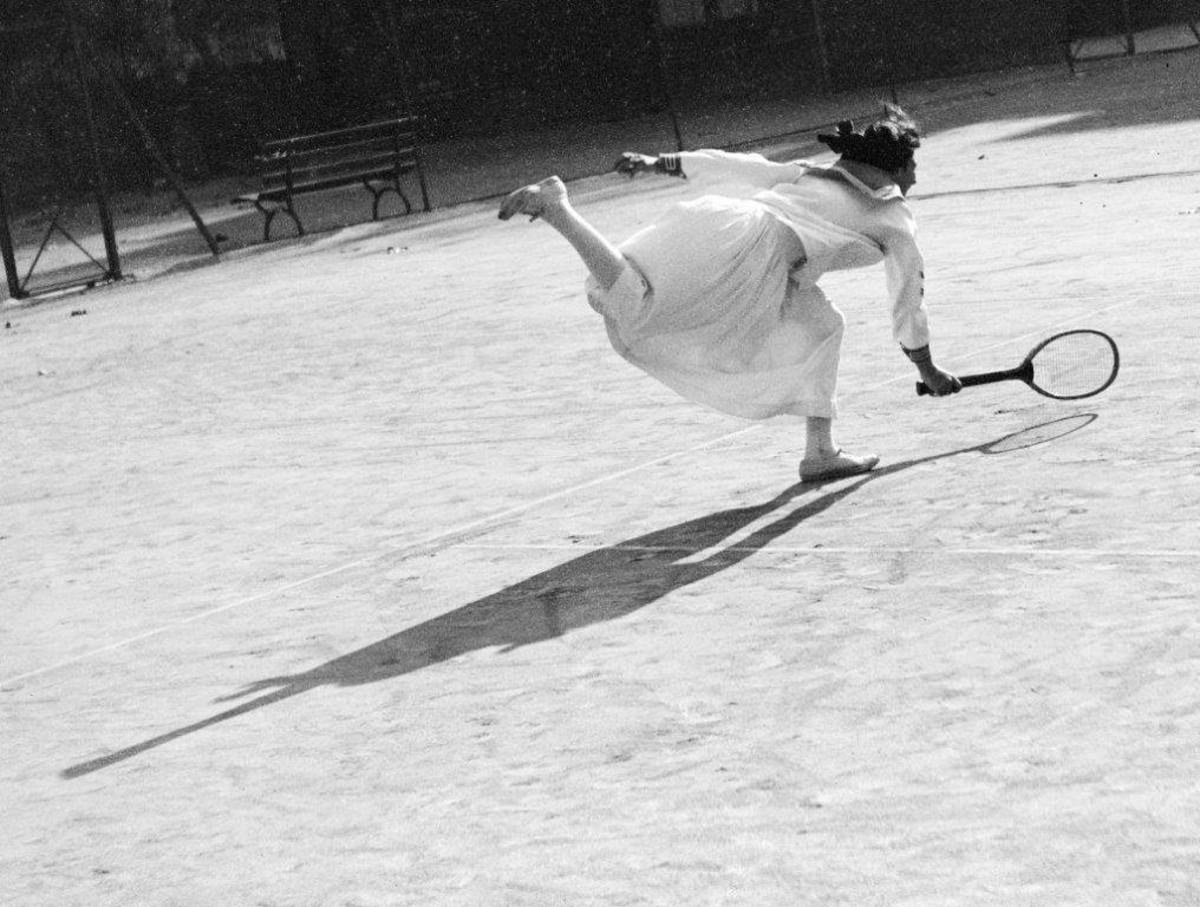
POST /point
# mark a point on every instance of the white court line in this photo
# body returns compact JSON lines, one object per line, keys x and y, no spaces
{"x":183,"y":622}
{"x":448,"y":536}
{"x":1088,"y":553}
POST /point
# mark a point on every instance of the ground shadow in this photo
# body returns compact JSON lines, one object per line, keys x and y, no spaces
{"x":601,"y":585}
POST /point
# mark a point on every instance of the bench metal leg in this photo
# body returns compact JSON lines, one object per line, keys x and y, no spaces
{"x":378,"y":195}
{"x":1068,"y":52}
{"x":269,"y":216}
{"x":291,"y":212}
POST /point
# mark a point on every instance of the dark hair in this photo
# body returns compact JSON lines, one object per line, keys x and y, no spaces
{"x":888,"y":143}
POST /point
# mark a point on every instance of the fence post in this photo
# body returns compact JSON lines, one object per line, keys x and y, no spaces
{"x":1129,"y":45}
{"x":406,"y":102}
{"x":100,"y":182}
{"x":660,"y":66}
{"x":6,"y":248}
{"x":822,"y":46}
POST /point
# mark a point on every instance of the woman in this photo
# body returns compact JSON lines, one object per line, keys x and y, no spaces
{"x":719,"y":300}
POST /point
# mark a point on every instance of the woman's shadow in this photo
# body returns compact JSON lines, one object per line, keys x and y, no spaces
{"x":601,"y":585}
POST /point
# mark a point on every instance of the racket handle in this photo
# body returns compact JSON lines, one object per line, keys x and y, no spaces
{"x":967,"y":381}
{"x":1023,"y":373}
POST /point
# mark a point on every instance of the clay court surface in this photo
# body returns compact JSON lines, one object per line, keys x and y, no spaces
{"x":360,"y":571}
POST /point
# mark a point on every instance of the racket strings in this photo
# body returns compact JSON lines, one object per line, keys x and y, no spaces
{"x":1078,"y":364}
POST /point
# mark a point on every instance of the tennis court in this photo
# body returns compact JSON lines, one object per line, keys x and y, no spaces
{"x":359,"y":570}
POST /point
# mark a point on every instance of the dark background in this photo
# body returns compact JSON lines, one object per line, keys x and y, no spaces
{"x":212,"y":79}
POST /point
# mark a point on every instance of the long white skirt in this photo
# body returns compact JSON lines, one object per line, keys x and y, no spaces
{"x":710,"y":307}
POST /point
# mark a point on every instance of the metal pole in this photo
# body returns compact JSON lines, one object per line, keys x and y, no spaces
{"x":77,"y":41}
{"x":6,"y":248}
{"x":1128,"y":27}
{"x":152,"y":147}
{"x":405,"y":99}
{"x":822,"y":47}
{"x":99,"y":181}
{"x":893,"y":61}
{"x":656,"y":49}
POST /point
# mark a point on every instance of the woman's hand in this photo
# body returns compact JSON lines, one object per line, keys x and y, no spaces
{"x":631,"y":163}
{"x":940,"y":383}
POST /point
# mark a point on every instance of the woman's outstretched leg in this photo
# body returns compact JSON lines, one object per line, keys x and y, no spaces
{"x":548,"y":200}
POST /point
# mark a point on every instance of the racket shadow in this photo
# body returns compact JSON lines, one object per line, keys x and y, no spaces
{"x":602,"y":585}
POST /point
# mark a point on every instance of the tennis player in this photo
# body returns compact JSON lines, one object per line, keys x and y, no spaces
{"x":718,"y":298}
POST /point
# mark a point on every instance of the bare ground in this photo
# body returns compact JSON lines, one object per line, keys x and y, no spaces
{"x":358,"y":570}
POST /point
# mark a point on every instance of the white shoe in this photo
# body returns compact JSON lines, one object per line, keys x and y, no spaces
{"x":838,"y":465}
{"x":534,"y":198}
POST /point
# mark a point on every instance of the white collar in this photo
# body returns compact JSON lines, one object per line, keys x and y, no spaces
{"x":865,"y":178}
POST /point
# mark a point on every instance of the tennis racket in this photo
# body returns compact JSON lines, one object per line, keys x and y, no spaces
{"x":1068,"y":366}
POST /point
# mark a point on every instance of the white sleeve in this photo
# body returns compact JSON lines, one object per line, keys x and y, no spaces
{"x":729,"y":166}
{"x":905,"y":269}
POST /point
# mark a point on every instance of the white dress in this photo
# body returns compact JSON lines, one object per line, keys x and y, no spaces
{"x":711,"y":307}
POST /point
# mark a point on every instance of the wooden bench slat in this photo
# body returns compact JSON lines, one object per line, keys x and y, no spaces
{"x":302,"y":173}
{"x":339,"y":136}
{"x":380,"y":141}
{"x":298,"y":163}
{"x":318,"y":185}
{"x":304,"y":182}
{"x":392,"y":123}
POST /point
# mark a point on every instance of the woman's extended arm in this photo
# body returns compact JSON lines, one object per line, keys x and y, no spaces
{"x":905,"y":270}
{"x":750,"y":169}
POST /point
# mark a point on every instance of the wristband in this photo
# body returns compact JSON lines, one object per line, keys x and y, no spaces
{"x":919,"y":356}
{"x":670,"y":164}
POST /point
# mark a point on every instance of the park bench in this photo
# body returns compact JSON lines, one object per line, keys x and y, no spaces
{"x":375,"y":156}
{"x":1086,"y":29}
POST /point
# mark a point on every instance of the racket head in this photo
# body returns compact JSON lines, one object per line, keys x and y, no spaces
{"x":1072,"y":365}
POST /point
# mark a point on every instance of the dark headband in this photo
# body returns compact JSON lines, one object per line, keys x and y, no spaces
{"x":884,"y":144}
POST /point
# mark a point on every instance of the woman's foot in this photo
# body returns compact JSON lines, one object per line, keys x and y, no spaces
{"x":835,"y":465}
{"x":534,"y":199}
